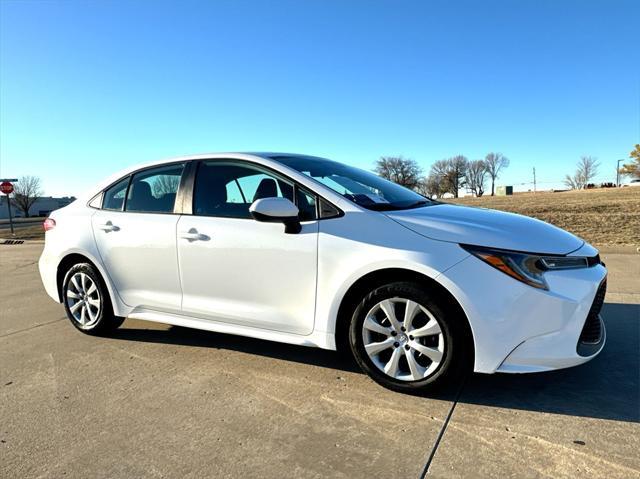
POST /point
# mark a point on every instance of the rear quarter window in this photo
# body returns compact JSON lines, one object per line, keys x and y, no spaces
{"x":114,"y":196}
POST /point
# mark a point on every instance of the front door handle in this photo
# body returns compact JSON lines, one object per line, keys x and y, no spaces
{"x":193,"y":235}
{"x":108,"y":226}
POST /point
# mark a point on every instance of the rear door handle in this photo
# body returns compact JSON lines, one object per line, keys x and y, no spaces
{"x":193,"y":235}
{"x":108,"y":226}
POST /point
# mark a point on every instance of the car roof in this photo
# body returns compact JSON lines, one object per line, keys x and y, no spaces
{"x":227,"y":154}
{"x":290,"y":155}
{"x":262,"y":154}
{"x":199,"y":156}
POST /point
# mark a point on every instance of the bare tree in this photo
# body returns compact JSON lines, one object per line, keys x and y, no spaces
{"x":495,"y":162}
{"x":458,"y":167}
{"x":441,"y":178}
{"x":572,"y":182}
{"x":440,"y":168}
{"x":450,"y":174}
{"x":164,"y":184}
{"x":403,"y":171}
{"x":430,"y":186}
{"x":586,"y":170}
{"x":476,"y":177}
{"x":26,"y":191}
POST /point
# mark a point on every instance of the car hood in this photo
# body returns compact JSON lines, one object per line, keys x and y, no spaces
{"x":484,"y":227}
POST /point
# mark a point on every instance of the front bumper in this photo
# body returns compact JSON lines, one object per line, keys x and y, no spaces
{"x":520,"y":329}
{"x":551,"y":351}
{"x":548,"y":353}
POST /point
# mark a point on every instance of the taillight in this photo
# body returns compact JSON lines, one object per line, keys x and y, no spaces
{"x":49,"y":224}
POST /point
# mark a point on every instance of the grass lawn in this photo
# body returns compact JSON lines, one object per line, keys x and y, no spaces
{"x":26,"y":233}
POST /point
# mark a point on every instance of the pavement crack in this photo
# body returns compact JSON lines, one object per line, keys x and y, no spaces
{"x":443,"y":429}
{"x":30,"y":328}
{"x":26,"y":264}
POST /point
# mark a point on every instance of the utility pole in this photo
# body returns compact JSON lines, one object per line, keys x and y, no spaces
{"x":618,"y":174}
{"x":10,"y":219}
{"x":534,"y":179}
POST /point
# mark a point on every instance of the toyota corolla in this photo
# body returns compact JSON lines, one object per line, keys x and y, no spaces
{"x":307,"y":251}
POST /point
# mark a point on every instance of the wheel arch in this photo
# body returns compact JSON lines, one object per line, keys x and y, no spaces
{"x":374,"y":279}
{"x":75,"y":258}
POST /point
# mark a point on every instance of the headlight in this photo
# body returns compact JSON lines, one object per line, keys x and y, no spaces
{"x":528,"y":268}
{"x":563,"y":262}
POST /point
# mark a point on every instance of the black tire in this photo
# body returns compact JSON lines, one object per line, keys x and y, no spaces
{"x":449,"y":370}
{"x":102,"y":320}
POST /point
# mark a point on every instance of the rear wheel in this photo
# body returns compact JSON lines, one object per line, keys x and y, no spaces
{"x":407,"y":340}
{"x":86,"y":301}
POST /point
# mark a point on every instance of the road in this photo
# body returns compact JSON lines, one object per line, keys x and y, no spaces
{"x":161,"y":401}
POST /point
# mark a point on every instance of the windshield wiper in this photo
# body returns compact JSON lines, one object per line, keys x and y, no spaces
{"x":417,"y":204}
{"x":366,"y":202}
{"x":395,"y":207}
{"x":381,"y":206}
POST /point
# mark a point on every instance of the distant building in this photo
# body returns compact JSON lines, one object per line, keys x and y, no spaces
{"x":504,"y":190}
{"x":41,"y":207}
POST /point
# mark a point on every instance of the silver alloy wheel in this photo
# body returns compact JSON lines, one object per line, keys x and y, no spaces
{"x":409,"y":349}
{"x":83,"y":299}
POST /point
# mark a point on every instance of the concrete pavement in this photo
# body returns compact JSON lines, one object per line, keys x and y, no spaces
{"x":160,"y":401}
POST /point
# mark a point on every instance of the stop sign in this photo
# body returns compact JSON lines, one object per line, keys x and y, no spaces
{"x":6,"y":187}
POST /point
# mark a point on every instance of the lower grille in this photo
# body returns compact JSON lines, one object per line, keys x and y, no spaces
{"x":592,"y":330}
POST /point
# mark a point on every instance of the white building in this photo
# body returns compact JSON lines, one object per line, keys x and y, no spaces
{"x":41,"y":207}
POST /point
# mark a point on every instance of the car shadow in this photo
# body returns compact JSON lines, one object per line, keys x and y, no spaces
{"x":606,"y":388}
{"x":178,"y":335}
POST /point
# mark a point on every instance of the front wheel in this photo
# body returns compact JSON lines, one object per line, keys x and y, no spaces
{"x":86,"y":301}
{"x":406,"y":340}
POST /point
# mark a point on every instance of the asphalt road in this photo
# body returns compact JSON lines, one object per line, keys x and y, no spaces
{"x":160,"y":401}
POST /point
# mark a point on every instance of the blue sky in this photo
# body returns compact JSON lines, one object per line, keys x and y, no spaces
{"x":89,"y":87}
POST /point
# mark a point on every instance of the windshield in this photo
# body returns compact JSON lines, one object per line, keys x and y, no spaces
{"x":362,"y":187}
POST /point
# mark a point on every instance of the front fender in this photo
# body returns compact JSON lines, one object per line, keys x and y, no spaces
{"x":344,"y":258}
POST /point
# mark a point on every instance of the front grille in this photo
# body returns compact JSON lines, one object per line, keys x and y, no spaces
{"x":592,"y":330}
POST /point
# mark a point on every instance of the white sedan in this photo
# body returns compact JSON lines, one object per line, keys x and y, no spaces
{"x":308,"y":251}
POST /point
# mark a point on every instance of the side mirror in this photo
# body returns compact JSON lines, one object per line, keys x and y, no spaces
{"x":277,"y":210}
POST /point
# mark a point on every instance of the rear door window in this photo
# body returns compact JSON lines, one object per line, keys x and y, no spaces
{"x":154,"y":190}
